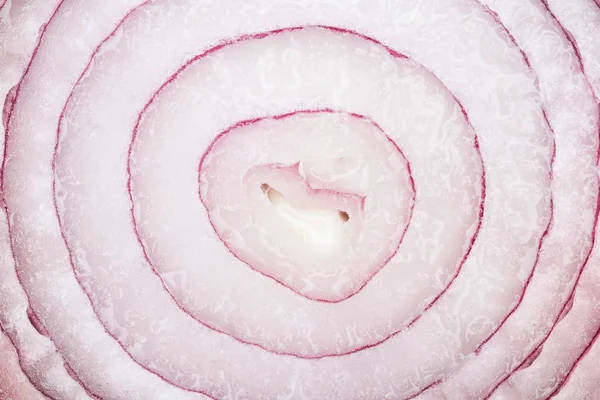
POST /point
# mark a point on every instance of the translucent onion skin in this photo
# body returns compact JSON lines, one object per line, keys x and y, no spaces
{"x":290,"y":199}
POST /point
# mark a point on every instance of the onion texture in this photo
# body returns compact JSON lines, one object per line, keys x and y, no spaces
{"x":299,"y":199}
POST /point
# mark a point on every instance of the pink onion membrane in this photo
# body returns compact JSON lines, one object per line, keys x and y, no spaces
{"x":299,"y":199}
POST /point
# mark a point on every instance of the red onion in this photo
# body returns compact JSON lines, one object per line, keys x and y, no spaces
{"x":295,"y":199}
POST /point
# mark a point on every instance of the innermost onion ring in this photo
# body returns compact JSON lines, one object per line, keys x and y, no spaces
{"x":322,"y":163}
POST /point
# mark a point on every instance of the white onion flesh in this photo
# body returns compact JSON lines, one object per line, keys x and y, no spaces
{"x":299,"y":200}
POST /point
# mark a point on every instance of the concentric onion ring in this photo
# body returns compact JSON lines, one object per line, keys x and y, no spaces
{"x":459,"y":138}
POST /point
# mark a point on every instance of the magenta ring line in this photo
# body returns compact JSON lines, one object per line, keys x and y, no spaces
{"x":179,"y":71}
{"x":478,"y":349}
{"x":39,"y":327}
{"x":41,"y":37}
{"x":260,"y":36}
{"x":7,"y":141}
{"x":20,"y":360}
{"x":71,"y":256}
{"x":579,"y":358}
{"x":564,"y":307}
{"x":472,"y":241}
{"x":278,"y":118}
{"x":573,"y":43}
{"x":558,"y":317}
{"x":561,"y":313}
